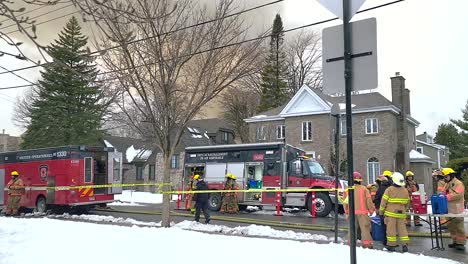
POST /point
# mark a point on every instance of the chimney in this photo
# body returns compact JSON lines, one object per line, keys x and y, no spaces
{"x":3,"y":131}
{"x":400,"y":98}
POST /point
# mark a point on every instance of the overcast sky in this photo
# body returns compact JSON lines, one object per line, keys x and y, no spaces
{"x":424,"y":40}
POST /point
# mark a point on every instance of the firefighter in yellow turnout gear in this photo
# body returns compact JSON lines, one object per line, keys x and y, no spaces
{"x":455,"y":192}
{"x":362,"y":207}
{"x":192,"y":186}
{"x":394,"y":203}
{"x":229,"y":201}
{"x":412,"y":186}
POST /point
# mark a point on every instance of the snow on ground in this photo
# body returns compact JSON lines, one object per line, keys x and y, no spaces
{"x":133,"y":197}
{"x":253,"y":230}
{"x":129,"y":197}
{"x":107,"y":219}
{"x":24,"y":241}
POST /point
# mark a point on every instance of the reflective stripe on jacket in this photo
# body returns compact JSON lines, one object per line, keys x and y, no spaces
{"x":394,"y":202}
{"x":455,"y":192}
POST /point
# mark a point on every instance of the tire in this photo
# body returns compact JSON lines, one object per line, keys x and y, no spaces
{"x":214,"y":203}
{"x":41,"y":205}
{"x":323,"y":204}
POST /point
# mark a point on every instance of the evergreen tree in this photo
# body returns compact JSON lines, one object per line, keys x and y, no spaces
{"x":274,"y":73}
{"x":67,"y":108}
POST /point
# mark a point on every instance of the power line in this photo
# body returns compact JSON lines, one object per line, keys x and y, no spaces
{"x":216,"y":48}
{"x":166,"y":33}
{"x":19,"y":76}
{"x":40,"y":15}
{"x":43,"y":22}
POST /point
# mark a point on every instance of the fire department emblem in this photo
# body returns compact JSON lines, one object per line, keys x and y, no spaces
{"x":43,"y":169}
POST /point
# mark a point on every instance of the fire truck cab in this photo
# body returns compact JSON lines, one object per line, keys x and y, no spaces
{"x":52,"y":175}
{"x":262,"y":166}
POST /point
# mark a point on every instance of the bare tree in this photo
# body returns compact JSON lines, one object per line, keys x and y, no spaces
{"x":171,"y":68}
{"x":304,"y":56}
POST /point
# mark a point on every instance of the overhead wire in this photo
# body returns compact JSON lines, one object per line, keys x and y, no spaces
{"x":211,"y":49}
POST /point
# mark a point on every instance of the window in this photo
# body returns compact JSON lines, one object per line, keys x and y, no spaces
{"x":443,"y":152}
{"x":372,"y":126}
{"x":373,"y":169}
{"x":139,"y":172}
{"x":280,"y":132}
{"x":152,"y":172}
{"x":420,"y":150}
{"x":225,"y":137}
{"x":261,"y":133}
{"x":175,"y":161}
{"x":430,"y":140}
{"x":307,"y":131}
{"x":88,"y":169}
{"x":343,"y":127}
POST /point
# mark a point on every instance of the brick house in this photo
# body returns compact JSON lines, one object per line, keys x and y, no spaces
{"x":383,"y":130}
{"x":439,"y":153}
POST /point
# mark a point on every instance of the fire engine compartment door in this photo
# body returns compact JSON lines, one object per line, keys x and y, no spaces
{"x":2,"y":186}
{"x":237,"y":169}
{"x":114,"y":172}
{"x":215,"y":172}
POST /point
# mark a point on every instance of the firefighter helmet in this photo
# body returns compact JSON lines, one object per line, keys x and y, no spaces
{"x":357,"y":176}
{"x":230,"y":176}
{"x":381,"y":178}
{"x":14,"y":173}
{"x":196,"y":176}
{"x":387,"y":173}
{"x":447,"y":171}
{"x":409,"y":174}
{"x":398,"y":179}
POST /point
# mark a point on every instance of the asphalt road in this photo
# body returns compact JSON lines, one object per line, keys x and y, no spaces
{"x":299,"y":222}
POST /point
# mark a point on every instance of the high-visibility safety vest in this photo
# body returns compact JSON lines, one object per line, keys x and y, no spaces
{"x":395,"y":201}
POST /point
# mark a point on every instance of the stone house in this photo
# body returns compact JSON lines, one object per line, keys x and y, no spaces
{"x":9,"y":143}
{"x":142,"y":163}
{"x":383,"y":130}
{"x":438,"y":153}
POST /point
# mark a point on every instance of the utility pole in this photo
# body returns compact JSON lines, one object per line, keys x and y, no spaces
{"x":349,"y":133}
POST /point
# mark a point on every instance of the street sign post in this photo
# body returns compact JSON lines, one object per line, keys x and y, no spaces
{"x":349,"y":8}
{"x":363,"y":55}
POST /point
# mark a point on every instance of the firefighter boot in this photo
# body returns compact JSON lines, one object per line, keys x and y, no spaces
{"x":391,"y":248}
{"x":405,"y":248}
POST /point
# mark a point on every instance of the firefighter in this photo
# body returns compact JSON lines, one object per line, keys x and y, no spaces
{"x":374,"y":187}
{"x":15,"y":190}
{"x":412,"y":186}
{"x":439,"y":178}
{"x":455,"y":192}
{"x":229,"y":200}
{"x":192,"y":186}
{"x":385,"y":182}
{"x":395,"y":201}
{"x":362,"y":206}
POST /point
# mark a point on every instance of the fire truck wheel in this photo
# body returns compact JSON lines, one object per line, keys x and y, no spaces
{"x":214,"y":203}
{"x":323,"y":204}
{"x":41,"y":205}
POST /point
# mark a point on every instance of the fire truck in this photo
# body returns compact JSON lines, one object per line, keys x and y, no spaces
{"x":262,"y":166}
{"x":56,"y":178}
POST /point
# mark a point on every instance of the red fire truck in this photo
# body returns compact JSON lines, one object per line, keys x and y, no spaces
{"x":262,"y":166}
{"x":44,"y":169}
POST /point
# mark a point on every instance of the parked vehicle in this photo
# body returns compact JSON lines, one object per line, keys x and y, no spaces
{"x":262,"y":166}
{"x":42,"y":170}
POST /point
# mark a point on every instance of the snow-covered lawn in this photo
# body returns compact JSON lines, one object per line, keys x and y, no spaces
{"x":134,"y":198}
{"x":53,"y":241}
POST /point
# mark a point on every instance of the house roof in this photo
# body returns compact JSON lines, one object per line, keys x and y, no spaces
{"x":309,"y":101}
{"x":436,"y":146}
{"x":415,"y":156}
{"x":211,"y":125}
{"x":132,"y":149}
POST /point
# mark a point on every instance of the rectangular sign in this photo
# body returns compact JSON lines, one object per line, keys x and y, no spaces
{"x":363,"y":54}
